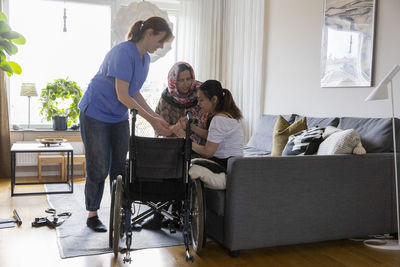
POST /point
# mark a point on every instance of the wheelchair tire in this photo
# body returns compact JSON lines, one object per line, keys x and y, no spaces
{"x":111,"y":224}
{"x":115,"y":231}
{"x":197,"y":221}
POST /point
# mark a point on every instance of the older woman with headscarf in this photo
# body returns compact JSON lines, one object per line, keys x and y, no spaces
{"x":180,"y":97}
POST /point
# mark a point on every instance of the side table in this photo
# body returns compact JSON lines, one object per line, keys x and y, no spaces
{"x":37,"y":147}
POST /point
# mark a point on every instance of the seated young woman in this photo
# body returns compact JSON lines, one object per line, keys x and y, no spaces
{"x":179,"y":97}
{"x":225,"y":134}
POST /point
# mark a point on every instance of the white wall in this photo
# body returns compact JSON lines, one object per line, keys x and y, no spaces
{"x":293,"y":45}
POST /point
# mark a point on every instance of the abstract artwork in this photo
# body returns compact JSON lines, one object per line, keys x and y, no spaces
{"x":347,"y":43}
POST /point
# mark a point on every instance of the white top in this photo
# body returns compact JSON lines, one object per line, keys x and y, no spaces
{"x":228,"y":134}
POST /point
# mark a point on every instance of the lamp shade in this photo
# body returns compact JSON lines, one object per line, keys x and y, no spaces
{"x":28,"y":89}
{"x":382,"y":91}
{"x":136,"y":11}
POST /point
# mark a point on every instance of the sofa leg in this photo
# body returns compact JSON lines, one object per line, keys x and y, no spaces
{"x":234,"y":253}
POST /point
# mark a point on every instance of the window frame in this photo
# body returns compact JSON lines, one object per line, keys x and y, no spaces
{"x":171,"y":6}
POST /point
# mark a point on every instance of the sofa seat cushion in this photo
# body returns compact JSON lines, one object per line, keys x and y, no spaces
{"x":249,"y":151}
{"x":282,"y":131}
{"x":261,"y":140}
{"x":215,"y":200}
{"x":376,"y":133}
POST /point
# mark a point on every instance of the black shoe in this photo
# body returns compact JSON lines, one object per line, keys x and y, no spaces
{"x":95,"y":224}
{"x":154,"y":223}
{"x":170,"y":224}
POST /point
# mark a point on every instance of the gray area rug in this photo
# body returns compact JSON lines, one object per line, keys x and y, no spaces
{"x":76,"y":239}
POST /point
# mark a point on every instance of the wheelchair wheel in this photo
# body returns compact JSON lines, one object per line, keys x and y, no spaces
{"x":197,"y":221}
{"x":115,"y":226}
{"x":111,"y":224}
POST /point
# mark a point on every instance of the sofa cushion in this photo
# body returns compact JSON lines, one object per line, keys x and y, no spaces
{"x":320,"y":122}
{"x":305,"y":142}
{"x":376,"y":133}
{"x":339,"y":142}
{"x":282,"y":131}
{"x":254,"y":152}
{"x":261,"y":140}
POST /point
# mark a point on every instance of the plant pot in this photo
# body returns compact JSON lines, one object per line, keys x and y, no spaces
{"x":60,"y":123}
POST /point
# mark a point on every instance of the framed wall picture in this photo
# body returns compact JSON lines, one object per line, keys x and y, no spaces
{"x":347,"y":43}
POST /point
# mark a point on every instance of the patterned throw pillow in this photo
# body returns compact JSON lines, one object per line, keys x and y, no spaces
{"x":305,"y":142}
{"x":282,"y":131}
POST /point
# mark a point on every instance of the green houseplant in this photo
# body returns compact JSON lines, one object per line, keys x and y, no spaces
{"x":60,"y":101}
{"x":8,"y":39}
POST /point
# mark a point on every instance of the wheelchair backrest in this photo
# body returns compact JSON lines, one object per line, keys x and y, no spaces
{"x":158,"y":158}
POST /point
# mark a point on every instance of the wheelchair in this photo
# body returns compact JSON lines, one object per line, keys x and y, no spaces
{"x":156,"y":174}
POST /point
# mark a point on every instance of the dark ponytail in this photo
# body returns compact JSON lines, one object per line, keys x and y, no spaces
{"x":157,"y":24}
{"x":225,"y":104}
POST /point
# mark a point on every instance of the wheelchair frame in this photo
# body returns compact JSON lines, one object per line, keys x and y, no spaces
{"x":192,"y":217}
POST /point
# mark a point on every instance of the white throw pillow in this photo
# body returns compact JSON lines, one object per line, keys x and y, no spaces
{"x":330,"y":130}
{"x":341,"y":142}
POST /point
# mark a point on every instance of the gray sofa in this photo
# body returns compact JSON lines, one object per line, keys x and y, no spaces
{"x":274,"y":201}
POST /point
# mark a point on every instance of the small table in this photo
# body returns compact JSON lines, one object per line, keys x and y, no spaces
{"x":37,"y":147}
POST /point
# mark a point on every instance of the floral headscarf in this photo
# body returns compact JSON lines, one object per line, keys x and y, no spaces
{"x":190,"y":101}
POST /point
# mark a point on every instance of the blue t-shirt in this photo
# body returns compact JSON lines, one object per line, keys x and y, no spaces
{"x":100,"y":100}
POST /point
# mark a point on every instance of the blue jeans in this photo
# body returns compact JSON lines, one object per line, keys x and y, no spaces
{"x":106,"y":146}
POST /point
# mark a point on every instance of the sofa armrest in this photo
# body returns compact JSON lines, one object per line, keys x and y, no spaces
{"x":274,"y":201}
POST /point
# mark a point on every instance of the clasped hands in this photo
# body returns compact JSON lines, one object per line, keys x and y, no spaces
{"x":179,"y":128}
{"x":165,"y":129}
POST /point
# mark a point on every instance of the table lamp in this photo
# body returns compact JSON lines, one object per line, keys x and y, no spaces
{"x":29,"y":90}
{"x":381,"y":92}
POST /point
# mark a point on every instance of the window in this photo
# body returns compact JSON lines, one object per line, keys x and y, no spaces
{"x":50,"y":53}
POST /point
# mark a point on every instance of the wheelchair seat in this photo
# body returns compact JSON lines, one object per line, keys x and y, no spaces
{"x":157,"y":175}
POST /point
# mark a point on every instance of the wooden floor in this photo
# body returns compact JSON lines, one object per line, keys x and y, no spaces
{"x":26,"y":246}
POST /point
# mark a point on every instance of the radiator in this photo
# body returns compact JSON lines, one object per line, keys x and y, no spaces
{"x":28,"y":166}
{"x":26,"y":159}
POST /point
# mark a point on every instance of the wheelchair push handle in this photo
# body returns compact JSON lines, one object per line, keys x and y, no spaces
{"x":189,"y":116}
{"x":134,"y":112}
{"x":188,"y":145}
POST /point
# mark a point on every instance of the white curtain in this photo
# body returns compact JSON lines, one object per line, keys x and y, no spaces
{"x":224,"y":40}
{"x":200,"y":37}
{"x":242,"y":54}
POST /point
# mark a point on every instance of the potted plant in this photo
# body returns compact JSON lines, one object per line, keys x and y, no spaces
{"x":60,"y":101}
{"x":8,"y":39}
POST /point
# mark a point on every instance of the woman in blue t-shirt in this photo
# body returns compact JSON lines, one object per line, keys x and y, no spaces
{"x":105,"y":109}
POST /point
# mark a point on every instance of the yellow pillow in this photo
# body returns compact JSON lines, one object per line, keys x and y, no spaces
{"x":282,"y":131}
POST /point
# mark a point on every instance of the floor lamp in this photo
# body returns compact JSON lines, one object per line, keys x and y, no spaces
{"x":29,"y":90}
{"x":381,"y":92}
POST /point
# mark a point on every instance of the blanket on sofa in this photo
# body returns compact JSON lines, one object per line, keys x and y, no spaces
{"x":210,"y":172}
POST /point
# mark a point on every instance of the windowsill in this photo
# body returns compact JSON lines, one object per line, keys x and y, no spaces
{"x":32,"y":134}
{"x":42,"y":130}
